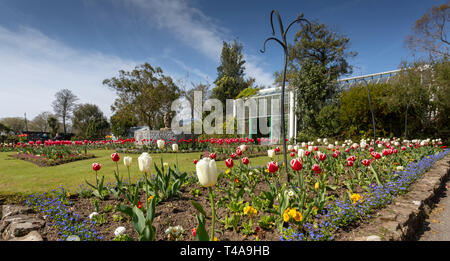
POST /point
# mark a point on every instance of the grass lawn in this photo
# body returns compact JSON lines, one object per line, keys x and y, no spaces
{"x":22,"y":177}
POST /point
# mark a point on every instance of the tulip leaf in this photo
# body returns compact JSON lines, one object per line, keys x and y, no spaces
{"x":201,"y":234}
{"x":151,"y":210}
{"x":126,"y":210}
{"x":198,"y":207}
{"x":138,"y":220}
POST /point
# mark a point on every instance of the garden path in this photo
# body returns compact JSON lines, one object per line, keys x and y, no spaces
{"x":437,"y":225}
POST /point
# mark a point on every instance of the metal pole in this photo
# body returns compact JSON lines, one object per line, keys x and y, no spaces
{"x":284,"y":44}
{"x":371,"y":109}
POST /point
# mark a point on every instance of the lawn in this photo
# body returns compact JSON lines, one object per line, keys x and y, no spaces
{"x":21,"y":177}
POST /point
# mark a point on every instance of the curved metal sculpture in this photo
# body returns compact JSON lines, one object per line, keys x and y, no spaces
{"x":283,"y":44}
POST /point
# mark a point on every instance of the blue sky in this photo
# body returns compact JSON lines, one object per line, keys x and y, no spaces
{"x":48,"y":45}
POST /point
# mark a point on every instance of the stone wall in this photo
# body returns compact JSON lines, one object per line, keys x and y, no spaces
{"x":160,"y":135}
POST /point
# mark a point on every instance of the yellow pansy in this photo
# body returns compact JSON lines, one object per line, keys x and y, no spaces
{"x":355,"y":197}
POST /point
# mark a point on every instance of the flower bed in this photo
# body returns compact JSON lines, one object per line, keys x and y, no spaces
{"x":47,"y":162}
{"x":328,"y":190}
{"x":339,"y":214}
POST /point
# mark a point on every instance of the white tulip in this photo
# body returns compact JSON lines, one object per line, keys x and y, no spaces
{"x":319,"y":140}
{"x":175,"y":147}
{"x":206,"y":172}
{"x":243,"y":147}
{"x":296,"y":147}
{"x":336,"y":143}
{"x":145,"y":162}
{"x":330,"y":146}
{"x":271,"y":153}
{"x":301,"y":153}
{"x":127,"y":161}
{"x":289,"y":148}
{"x":325,"y":140}
{"x":119,"y":231}
{"x":160,"y":144}
{"x":93,"y":214}
{"x":303,"y":144}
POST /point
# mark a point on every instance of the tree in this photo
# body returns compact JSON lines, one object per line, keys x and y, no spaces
{"x":3,"y":128}
{"x":53,"y":124}
{"x":317,"y":58}
{"x":40,"y":122}
{"x":89,"y":122}
{"x":319,"y":45}
{"x":146,"y":91}
{"x":64,"y":104}
{"x":230,"y":73}
{"x":122,"y":121}
{"x":430,"y":35}
{"x":205,"y":91}
{"x":15,"y":124}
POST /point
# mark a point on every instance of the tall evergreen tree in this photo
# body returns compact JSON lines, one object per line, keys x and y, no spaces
{"x":230,"y":73}
{"x":317,"y":59}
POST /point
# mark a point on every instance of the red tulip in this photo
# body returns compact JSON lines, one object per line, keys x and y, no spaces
{"x":296,"y":164}
{"x":293,"y":154}
{"x":316,"y":148}
{"x":272,"y":167}
{"x":277,"y":149}
{"x":371,"y":149}
{"x":195,"y":161}
{"x":307,"y":152}
{"x":229,"y":163}
{"x":193,"y":231}
{"x":245,"y":161}
{"x":212,"y":155}
{"x":347,"y":150}
{"x":403,"y":148}
{"x":238,"y":151}
{"x":96,"y":166}
{"x":233,"y":155}
{"x":316,"y":169}
{"x":376,"y":155}
{"x":335,"y":155}
{"x":349,"y":163}
{"x":351,"y":158}
{"x":139,"y":205}
{"x":366,"y":162}
{"x":115,"y":157}
{"x":322,"y":156}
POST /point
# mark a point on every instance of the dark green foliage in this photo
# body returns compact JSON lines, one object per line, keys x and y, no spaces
{"x":317,"y":58}
{"x":89,"y":122}
{"x":53,"y":124}
{"x":422,"y":89}
{"x":230,"y":73}
{"x":328,"y":121}
{"x":121,"y":122}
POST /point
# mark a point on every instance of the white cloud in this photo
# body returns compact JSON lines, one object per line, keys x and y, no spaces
{"x":196,"y":30}
{"x":33,"y":67}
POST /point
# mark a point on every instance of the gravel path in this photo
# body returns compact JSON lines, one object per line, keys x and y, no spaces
{"x":437,"y":225}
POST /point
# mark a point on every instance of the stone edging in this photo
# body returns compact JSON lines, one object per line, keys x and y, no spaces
{"x":404,"y":217}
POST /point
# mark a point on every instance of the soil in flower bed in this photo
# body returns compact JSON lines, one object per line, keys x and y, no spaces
{"x":45,"y":162}
{"x":176,"y":211}
{"x":171,"y":212}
